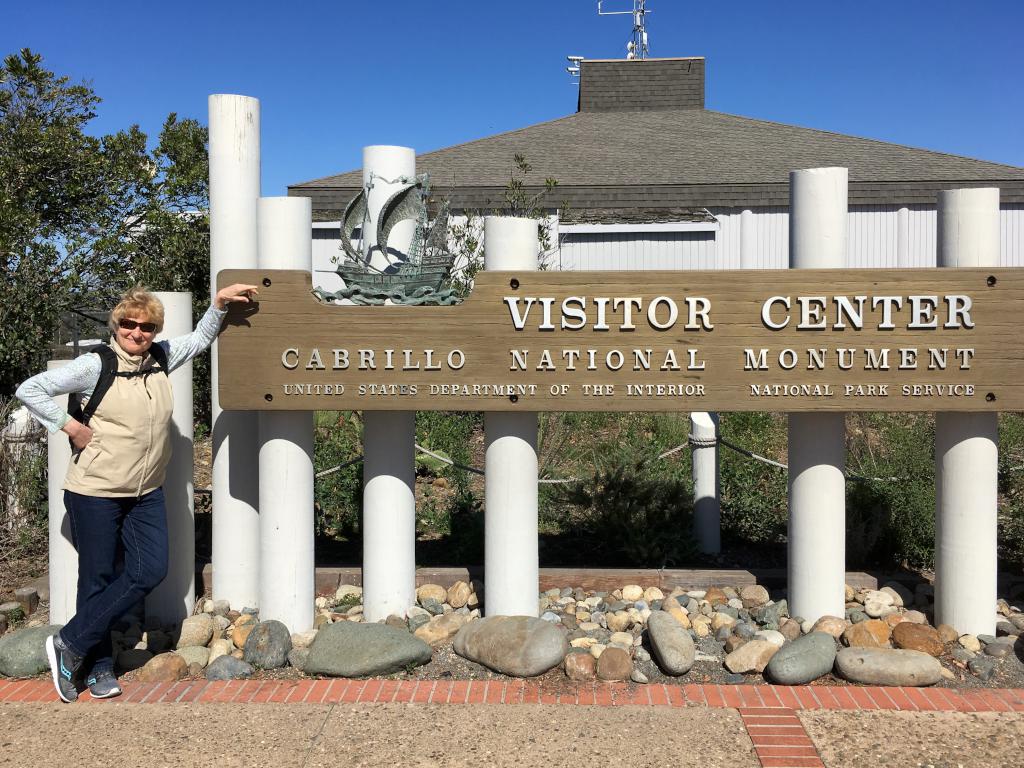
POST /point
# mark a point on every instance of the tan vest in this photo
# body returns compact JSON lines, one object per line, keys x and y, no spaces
{"x":130,"y":446}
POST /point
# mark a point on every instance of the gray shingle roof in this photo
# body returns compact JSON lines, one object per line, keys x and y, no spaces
{"x":681,"y":157}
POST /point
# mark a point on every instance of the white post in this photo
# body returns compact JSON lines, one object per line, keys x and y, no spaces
{"x":511,"y":558}
{"x":63,"y":555}
{"x":966,"y":444}
{"x":389,"y":437}
{"x":234,"y":189}
{"x":175,"y":598}
{"x":706,"y":505}
{"x":286,"y":579}
{"x":817,"y":449}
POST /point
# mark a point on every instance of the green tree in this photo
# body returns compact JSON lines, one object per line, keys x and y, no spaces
{"x":82,"y":217}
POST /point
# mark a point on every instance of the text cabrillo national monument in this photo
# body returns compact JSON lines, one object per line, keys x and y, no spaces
{"x":845,"y":340}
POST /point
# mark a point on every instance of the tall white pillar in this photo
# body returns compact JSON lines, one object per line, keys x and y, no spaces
{"x":817,"y":441}
{"x":389,"y":437}
{"x":511,"y":558}
{"x":174,"y":599}
{"x":63,"y":557}
{"x":707,"y":525}
{"x":966,"y":445}
{"x":234,"y":189}
{"x":286,"y":578}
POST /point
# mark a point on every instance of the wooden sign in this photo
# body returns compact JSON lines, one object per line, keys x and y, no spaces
{"x":772,"y":340}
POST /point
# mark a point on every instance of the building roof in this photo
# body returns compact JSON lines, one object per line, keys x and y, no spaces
{"x":642,"y":139}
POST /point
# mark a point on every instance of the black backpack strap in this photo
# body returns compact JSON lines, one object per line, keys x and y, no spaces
{"x":160,"y":356}
{"x":108,"y":370}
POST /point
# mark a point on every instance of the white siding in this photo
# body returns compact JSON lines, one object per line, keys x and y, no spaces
{"x":874,"y":238}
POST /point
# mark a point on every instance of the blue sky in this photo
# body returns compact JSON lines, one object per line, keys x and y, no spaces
{"x":335,"y":76}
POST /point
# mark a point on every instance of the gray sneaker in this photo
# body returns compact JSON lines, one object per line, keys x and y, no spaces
{"x":103,"y":685}
{"x":63,"y":666}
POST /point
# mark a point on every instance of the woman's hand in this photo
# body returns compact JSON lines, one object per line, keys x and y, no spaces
{"x":79,"y":433}
{"x":239,"y":292}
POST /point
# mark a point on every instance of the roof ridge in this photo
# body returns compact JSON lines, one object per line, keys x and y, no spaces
{"x":935,"y":152}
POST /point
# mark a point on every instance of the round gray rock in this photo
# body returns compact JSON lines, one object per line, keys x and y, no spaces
{"x":521,"y":646}
{"x":671,"y":645}
{"x":297,"y":658}
{"x":884,"y":666}
{"x":228,"y":668}
{"x":348,"y":649}
{"x":805,"y":659}
{"x":268,"y":644}
{"x":22,"y":653}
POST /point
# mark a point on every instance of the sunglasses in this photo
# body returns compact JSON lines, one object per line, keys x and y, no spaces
{"x":131,"y":325}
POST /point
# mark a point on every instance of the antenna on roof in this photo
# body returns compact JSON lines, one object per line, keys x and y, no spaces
{"x":636,"y":48}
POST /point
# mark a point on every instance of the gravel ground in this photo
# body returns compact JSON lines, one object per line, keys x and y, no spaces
{"x":916,"y":739}
{"x":385,"y":735}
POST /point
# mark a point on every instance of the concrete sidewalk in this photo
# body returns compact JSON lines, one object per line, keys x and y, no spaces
{"x":462,"y":723}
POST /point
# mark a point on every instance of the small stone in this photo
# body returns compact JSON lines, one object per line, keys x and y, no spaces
{"x":23,"y":653}
{"x":805,"y":659}
{"x":918,"y":637}
{"x":771,"y":613}
{"x":28,"y":599}
{"x":999,"y":649}
{"x":458,"y":594}
{"x":716,"y":596}
{"x":701,"y":626}
{"x":195,"y":655}
{"x":877,"y":609}
{"x":432,"y":606}
{"x":962,"y":655}
{"x":618,"y":621}
{"x":653,"y":593}
{"x":773,"y":636}
{"x":754,"y":595}
{"x":915,"y":617}
{"x":221,"y":647}
{"x":434,"y":592}
{"x":733,"y":642}
{"x":621,"y":639}
{"x":878,"y":596}
{"x":833,"y":625}
{"x":442,"y":628}
{"x":1017,"y":620}
{"x":982,"y":667}
{"x":396,"y":621}
{"x":947,"y":674}
{"x":165,"y":668}
{"x":640,"y":654}
{"x":267,"y":645}
{"x":228,"y":668}
{"x":883,"y":666}
{"x":901,"y":596}
{"x":751,"y":656}
{"x":970,"y":642}
{"x":580,"y":666}
{"x":320,"y":603}
{"x":632,"y":592}
{"x":856,"y":617}
{"x":614,"y":664}
{"x":893,"y":619}
{"x":582,"y":642}
{"x":849,"y":593}
{"x":790,"y":629}
{"x":195,"y":630}
{"x":986,"y":639}
{"x":720,"y":620}
{"x":867,"y":634}
{"x":219,"y":607}
{"x":244,"y":624}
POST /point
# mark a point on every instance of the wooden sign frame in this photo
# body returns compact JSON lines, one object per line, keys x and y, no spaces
{"x":746,"y":340}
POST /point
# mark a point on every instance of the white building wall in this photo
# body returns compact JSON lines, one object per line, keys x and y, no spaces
{"x":873,"y":232}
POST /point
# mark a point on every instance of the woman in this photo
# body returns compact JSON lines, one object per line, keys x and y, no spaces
{"x":112,"y":490}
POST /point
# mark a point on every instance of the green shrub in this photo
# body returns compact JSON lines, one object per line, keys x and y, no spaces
{"x":754,"y":495}
{"x":1011,"y":489}
{"x":338,"y":496}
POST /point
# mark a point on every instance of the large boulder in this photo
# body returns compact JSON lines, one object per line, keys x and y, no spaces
{"x":614,"y":664}
{"x":22,"y":653}
{"x":867,"y":634}
{"x":163,"y":668}
{"x":671,"y":645}
{"x":520,"y":646}
{"x":267,"y":645}
{"x":348,"y":649}
{"x":805,"y":659}
{"x":885,"y":666}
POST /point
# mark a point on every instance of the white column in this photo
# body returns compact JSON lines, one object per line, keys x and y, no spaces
{"x":286,"y":578}
{"x":174,"y":599}
{"x":706,"y":506}
{"x":511,"y":559}
{"x":389,"y":466}
{"x":817,"y":450}
{"x":63,"y":555}
{"x":966,"y":444}
{"x":234,"y":189}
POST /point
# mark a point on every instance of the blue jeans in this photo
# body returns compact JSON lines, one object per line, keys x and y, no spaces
{"x":101,"y":530}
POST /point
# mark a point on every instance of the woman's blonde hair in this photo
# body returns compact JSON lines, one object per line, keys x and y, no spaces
{"x":139,"y":302}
